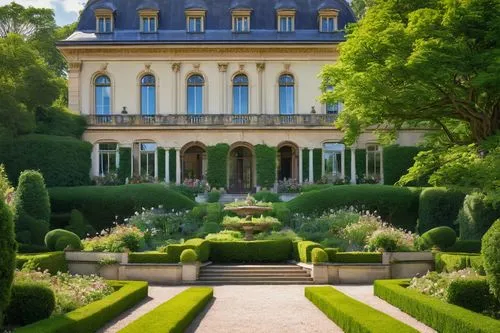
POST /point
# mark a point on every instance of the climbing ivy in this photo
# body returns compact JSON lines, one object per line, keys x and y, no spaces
{"x":265,"y":158}
{"x":124,"y":170}
{"x":217,"y":166}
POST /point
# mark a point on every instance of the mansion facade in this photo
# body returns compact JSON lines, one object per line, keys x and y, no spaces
{"x":164,"y":80}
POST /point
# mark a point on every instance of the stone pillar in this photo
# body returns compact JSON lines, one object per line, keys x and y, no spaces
{"x":311,"y":166}
{"x":353,"y":165}
{"x":156,"y":164}
{"x":74,"y":70}
{"x":260,"y":87}
{"x":381,"y":165}
{"x":178,"y":166}
{"x":95,"y":161}
{"x":176,"y":67}
{"x":167,"y":165}
{"x":301,"y":169}
{"x":223,"y":88}
{"x":342,"y":162}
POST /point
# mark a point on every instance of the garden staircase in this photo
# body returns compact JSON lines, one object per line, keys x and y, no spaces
{"x":227,"y":198}
{"x":253,"y":274}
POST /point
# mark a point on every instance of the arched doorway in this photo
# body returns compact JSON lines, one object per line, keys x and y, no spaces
{"x":194,"y":162}
{"x":287,"y":162}
{"x":240,"y":170}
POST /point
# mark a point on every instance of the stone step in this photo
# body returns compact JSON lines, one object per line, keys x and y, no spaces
{"x":259,"y":282}
{"x":252,"y":267}
{"x":203,"y":274}
{"x":256,"y":278}
{"x":277,"y":270}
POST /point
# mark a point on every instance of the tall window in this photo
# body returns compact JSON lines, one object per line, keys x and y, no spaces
{"x":373,"y":162}
{"x":107,"y":158}
{"x":195,"y":24}
{"x":332,"y":160}
{"x":287,"y":94}
{"x":286,"y":23}
{"x":332,"y":107}
{"x":240,"y":94}
{"x":104,"y":24}
{"x":195,"y":94}
{"x":102,"y":95}
{"x":148,"y":95}
{"x":147,"y":159}
{"x":149,"y":24}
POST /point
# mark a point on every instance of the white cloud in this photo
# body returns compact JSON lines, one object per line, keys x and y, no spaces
{"x":70,"y":6}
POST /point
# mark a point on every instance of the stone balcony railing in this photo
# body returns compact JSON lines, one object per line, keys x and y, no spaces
{"x":251,"y":120}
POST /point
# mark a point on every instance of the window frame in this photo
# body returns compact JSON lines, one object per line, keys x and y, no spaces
{"x":97,"y":85}
{"x":142,"y":85}
{"x":147,"y":153}
{"x":285,"y":85}
{"x":108,"y":153}
{"x":287,"y":14}
{"x":240,"y":85}
{"x":243,"y":14}
{"x":200,"y":84}
{"x":104,"y":14}
{"x":328,"y":14}
{"x":337,"y":152}
{"x":337,"y":104}
{"x":375,"y":153}
{"x":195,"y":14}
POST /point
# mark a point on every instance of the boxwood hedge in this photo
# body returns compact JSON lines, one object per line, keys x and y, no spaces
{"x":63,"y":161}
{"x":252,"y":251}
{"x":358,"y":257}
{"x":351,"y":315}
{"x":450,"y":262}
{"x":30,"y":302}
{"x":101,"y":204}
{"x":51,"y":261}
{"x":94,"y":315}
{"x":438,"y":207}
{"x":7,"y":256}
{"x":175,"y":315}
{"x":396,"y":205}
{"x":305,"y":250}
{"x":443,"y":317}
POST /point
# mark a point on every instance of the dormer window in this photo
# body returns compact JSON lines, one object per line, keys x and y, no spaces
{"x":241,"y":20}
{"x":328,"y":20}
{"x":195,"y":21}
{"x":149,"y":20}
{"x":286,"y":20}
{"x":104,"y":20}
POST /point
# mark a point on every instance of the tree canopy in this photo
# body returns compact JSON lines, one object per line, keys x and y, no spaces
{"x":431,"y":64}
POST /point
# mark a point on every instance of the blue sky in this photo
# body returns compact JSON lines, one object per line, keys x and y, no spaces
{"x":66,"y":10}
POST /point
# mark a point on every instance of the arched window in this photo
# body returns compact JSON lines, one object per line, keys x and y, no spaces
{"x":240,"y":94}
{"x":148,"y":95}
{"x":102,"y":95}
{"x":195,"y":85}
{"x":287,"y":94}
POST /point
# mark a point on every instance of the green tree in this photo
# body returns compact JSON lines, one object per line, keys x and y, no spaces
{"x":427,"y":62}
{"x":7,"y":256}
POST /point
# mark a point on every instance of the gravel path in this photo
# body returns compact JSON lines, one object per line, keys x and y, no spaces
{"x":157,"y":296}
{"x":263,"y":309}
{"x":365,"y":295}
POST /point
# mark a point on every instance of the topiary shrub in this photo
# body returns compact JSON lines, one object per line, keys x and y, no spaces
{"x":189,"y":256}
{"x":466,"y":246}
{"x":32,"y":207}
{"x":472,"y":294}
{"x":305,"y":250}
{"x":438,"y":207}
{"x":7,"y":256}
{"x":214,"y":213}
{"x":78,"y":225}
{"x":267,"y":196}
{"x":491,"y":257}
{"x":318,"y":255}
{"x":60,"y":239}
{"x":210,"y":228}
{"x":477,"y":215}
{"x":332,"y":253}
{"x":213,"y":196}
{"x":30,"y":302}
{"x":441,"y":237}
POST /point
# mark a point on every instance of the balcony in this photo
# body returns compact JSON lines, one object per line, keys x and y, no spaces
{"x":217,"y":120}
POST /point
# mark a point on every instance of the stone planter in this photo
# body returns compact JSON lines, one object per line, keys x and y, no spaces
{"x":389,"y":257}
{"x":96,"y":256}
{"x":109,"y":272}
{"x":408,"y":264}
{"x":190,"y":271}
{"x":201,"y":198}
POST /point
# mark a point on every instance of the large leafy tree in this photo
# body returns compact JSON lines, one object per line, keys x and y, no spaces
{"x":430,"y":63}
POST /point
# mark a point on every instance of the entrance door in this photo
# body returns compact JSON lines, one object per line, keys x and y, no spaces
{"x":240,"y":170}
{"x":285,"y":168}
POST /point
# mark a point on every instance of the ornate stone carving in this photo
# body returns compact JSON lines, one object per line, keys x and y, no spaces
{"x":261,"y":66}
{"x":286,"y":67}
{"x":196,"y":66}
{"x":223,"y":67}
{"x":176,"y":67}
{"x":147,"y":67}
{"x":242,"y":67}
{"x":104,"y":67}
{"x":75,"y":66}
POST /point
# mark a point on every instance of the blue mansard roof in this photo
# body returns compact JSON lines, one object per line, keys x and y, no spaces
{"x":218,"y":26}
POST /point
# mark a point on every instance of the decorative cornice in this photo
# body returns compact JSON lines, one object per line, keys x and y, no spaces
{"x":176,"y":67}
{"x":75,"y":66}
{"x":223,"y":67}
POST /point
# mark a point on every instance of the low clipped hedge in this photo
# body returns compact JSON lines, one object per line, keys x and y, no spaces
{"x":472,"y":294}
{"x":175,"y":315}
{"x":101,"y":204}
{"x":318,"y":255}
{"x":94,"y":315}
{"x":201,"y":246}
{"x":149,"y":258}
{"x":252,"y":251}
{"x":51,"y":261}
{"x":267,"y":196}
{"x":29,"y":303}
{"x":352,"y":315}
{"x":467,"y":246}
{"x":451,"y":262}
{"x":305,"y":250}
{"x":282,"y":213}
{"x":358,"y":257}
{"x":396,"y":205}
{"x":441,"y":316}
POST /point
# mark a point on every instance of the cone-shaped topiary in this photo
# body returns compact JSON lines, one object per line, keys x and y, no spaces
{"x":189,"y":256}
{"x":318,"y":255}
{"x":60,"y":239}
{"x":491,"y":256}
{"x":7,"y":256}
{"x":441,"y":237}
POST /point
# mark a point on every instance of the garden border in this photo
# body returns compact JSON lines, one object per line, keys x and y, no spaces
{"x":443,"y":317}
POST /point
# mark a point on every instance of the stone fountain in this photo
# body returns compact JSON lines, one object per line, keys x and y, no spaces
{"x":246,"y":211}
